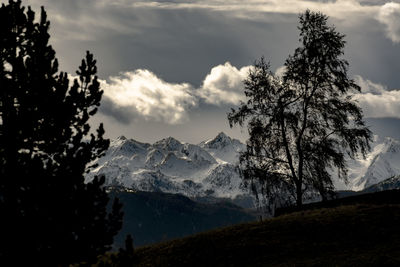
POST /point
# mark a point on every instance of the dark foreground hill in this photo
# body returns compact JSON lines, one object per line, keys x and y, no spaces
{"x":361,"y":197}
{"x":366,"y":234}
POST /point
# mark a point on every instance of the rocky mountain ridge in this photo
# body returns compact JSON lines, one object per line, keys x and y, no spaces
{"x":208,"y":169}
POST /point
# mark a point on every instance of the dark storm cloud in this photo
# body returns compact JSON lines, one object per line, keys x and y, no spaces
{"x":180,"y":42}
{"x":372,"y":55}
{"x":178,"y":45}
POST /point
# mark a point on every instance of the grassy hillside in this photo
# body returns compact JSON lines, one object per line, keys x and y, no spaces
{"x":350,"y":235}
{"x":362,"y":197}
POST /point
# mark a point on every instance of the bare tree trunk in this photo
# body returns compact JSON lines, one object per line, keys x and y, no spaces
{"x":299,"y":195}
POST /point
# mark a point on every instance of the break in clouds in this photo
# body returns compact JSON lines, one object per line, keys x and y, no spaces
{"x":141,"y":94}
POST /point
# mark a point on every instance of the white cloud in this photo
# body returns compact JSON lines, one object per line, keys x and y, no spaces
{"x":224,"y":85}
{"x":338,"y":8}
{"x":144,"y":94}
{"x":368,"y":86}
{"x":389,"y":15}
{"x":376,"y":101}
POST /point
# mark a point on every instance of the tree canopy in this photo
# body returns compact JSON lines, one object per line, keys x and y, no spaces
{"x":303,"y":125}
{"x":49,"y":214}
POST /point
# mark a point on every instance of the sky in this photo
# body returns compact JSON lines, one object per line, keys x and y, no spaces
{"x":175,"y":68}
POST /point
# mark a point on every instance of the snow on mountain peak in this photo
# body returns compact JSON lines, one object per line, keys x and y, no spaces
{"x":220,"y":141}
{"x":223,"y":148}
{"x":209,"y":167}
{"x":169,"y":143}
{"x":129,"y":147}
{"x":196,"y":153}
{"x":381,"y":163}
{"x":121,"y":137}
{"x":174,"y":167}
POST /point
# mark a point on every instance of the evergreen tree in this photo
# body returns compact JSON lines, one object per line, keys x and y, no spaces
{"x":49,"y":214}
{"x":124,"y":257}
{"x":302,"y":125}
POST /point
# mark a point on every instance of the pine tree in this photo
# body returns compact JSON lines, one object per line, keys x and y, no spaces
{"x":49,"y":214}
{"x":301,"y":126}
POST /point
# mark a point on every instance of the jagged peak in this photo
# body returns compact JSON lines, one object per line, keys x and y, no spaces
{"x":128,"y":146}
{"x":168,"y":139}
{"x":222,"y":135}
{"x":121,"y":137}
{"x":168,"y":143}
{"x":221,"y":140}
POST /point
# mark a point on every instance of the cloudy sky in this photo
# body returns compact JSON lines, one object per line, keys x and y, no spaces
{"x":175,"y":68}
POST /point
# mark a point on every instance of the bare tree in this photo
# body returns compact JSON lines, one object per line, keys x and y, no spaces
{"x":301,"y":125}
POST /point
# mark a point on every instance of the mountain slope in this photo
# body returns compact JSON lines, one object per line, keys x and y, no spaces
{"x":388,"y":184}
{"x":152,"y":217}
{"x":208,"y":170}
{"x":383,"y":162}
{"x":223,"y":148}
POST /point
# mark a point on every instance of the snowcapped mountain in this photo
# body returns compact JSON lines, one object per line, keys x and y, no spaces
{"x":381,"y":163}
{"x":388,"y":184}
{"x":223,"y":148}
{"x":208,"y":169}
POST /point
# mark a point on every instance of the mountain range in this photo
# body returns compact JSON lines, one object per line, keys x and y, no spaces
{"x":207,"y":170}
{"x":171,"y":189}
{"x":204,"y":170}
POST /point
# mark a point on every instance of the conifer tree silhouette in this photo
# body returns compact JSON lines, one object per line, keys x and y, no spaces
{"x":49,"y":215}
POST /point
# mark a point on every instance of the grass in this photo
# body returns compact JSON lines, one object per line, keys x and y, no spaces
{"x":365,"y":234}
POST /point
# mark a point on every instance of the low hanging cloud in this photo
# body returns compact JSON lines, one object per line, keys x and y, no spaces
{"x":224,"y":85}
{"x":142,"y":94}
{"x":376,"y":101}
{"x":389,"y":15}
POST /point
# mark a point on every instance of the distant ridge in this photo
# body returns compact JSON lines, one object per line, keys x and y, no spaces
{"x":152,"y":217}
